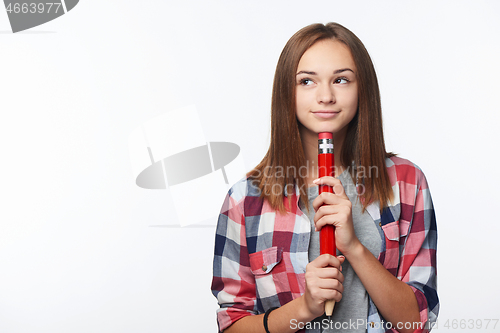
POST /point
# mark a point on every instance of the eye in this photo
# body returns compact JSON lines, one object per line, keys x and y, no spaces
{"x":306,"y":82}
{"x":341,"y":80}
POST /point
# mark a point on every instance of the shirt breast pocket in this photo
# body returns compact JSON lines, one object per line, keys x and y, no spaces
{"x":396,"y":231}
{"x":269,"y":271}
{"x":395,"y":236}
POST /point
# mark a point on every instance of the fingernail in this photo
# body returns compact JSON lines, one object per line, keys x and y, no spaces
{"x":316,"y":181}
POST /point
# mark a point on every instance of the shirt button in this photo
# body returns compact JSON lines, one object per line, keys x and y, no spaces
{"x":380,"y":224}
{"x":372,"y":324}
{"x":264,"y":268}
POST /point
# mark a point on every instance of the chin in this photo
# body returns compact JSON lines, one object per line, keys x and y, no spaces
{"x":328,"y":129}
{"x":319,"y":128}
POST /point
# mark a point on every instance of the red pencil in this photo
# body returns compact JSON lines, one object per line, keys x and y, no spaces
{"x":326,"y":167}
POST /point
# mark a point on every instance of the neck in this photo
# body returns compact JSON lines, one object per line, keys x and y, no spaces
{"x":310,"y":145}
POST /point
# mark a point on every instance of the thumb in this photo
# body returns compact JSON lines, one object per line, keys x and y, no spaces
{"x":341,"y":258}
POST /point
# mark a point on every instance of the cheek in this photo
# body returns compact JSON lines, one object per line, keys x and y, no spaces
{"x":352,"y":101}
{"x":301,"y":101}
{"x":355,"y":103}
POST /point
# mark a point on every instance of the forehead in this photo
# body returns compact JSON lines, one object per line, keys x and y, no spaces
{"x":326,"y":55}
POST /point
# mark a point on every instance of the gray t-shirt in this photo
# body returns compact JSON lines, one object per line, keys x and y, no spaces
{"x":350,"y":314}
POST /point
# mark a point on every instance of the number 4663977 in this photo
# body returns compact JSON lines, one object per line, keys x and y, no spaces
{"x":471,"y":324}
{"x":32,"y":8}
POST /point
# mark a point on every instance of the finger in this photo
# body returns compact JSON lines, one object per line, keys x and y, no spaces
{"x":329,"y":289}
{"x":327,"y":198}
{"x":325,"y":260}
{"x":327,"y":210}
{"x":327,"y":180}
{"x":335,"y":183}
{"x":337,"y":219}
{"x":329,"y":294}
{"x":336,"y":275}
{"x":331,"y":284}
{"x":330,"y":273}
{"x":330,"y":261}
{"x":320,"y":295}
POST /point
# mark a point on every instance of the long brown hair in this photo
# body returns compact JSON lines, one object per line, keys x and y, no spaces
{"x":364,"y":142}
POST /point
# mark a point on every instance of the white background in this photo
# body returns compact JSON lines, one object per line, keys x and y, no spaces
{"x":79,"y":250}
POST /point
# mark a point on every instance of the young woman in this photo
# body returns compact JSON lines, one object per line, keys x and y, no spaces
{"x":268,"y":274}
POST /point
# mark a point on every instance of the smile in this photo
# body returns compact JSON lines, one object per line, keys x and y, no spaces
{"x":325,"y":113}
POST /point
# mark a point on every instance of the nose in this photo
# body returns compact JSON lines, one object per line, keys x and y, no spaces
{"x":325,"y":94}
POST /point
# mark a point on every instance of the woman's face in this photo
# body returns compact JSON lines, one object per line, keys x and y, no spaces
{"x":326,"y":89}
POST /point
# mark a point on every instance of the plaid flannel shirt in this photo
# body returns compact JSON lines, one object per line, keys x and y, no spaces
{"x":261,"y":255}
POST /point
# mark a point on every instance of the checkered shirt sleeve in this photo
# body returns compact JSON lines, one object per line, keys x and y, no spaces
{"x":410,"y":249}
{"x":233,"y":283}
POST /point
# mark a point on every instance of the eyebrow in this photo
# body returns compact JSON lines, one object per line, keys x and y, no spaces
{"x":338,"y":71}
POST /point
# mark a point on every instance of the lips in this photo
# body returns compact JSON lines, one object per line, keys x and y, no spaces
{"x":325,"y":113}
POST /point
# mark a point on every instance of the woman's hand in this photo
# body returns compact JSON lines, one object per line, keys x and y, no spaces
{"x":323,"y":282}
{"x":336,"y":209}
